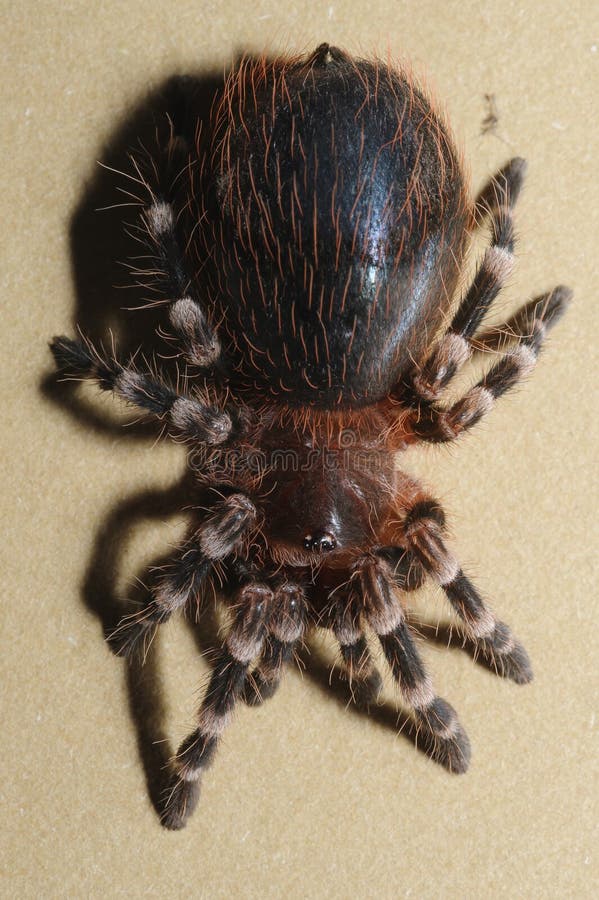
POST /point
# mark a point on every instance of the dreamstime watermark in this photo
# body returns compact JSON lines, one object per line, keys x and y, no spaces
{"x":344,"y":454}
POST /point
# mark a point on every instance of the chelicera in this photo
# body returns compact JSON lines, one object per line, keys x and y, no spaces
{"x":309,"y":253}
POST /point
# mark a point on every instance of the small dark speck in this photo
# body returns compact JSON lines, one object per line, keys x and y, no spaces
{"x":491,"y":120}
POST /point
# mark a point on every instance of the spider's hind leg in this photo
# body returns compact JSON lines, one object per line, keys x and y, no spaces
{"x":546,"y":310}
{"x":162,"y":177}
{"x":496,"y":201}
{"x":198,"y":340}
{"x":437,"y":424}
{"x":527,"y":328}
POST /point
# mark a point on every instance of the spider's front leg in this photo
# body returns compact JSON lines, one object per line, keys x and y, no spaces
{"x":364,"y":679}
{"x":422,"y":532}
{"x":183,"y":579}
{"x":443,"y":737}
{"x":286,"y":628}
{"x":252,"y":606}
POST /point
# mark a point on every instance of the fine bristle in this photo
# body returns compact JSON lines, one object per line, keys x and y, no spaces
{"x":71,"y":357}
{"x":452,"y":753}
{"x":179,"y":800}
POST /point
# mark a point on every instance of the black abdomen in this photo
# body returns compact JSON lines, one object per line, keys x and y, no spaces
{"x":336,"y":226}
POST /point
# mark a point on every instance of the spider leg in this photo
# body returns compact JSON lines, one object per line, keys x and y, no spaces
{"x":159,"y":174}
{"x":404,"y":568}
{"x":444,"y":738}
{"x":198,"y":340}
{"x":244,"y":642}
{"x":547,"y":308}
{"x":423,"y":531}
{"x":438,"y":424}
{"x":189,"y":419}
{"x":182,"y":580}
{"x":286,"y":627}
{"x":454,"y":348}
{"x":262,"y":683}
{"x":364,"y":679}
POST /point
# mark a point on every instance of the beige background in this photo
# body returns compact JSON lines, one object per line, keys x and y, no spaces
{"x":306,"y":799}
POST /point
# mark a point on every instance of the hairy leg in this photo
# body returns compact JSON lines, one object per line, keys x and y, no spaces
{"x":496,"y":202}
{"x":444,"y":738}
{"x":243,"y":644}
{"x":527,"y":327}
{"x":189,"y":419}
{"x":364,"y":679}
{"x":406,"y":571}
{"x":286,"y":627}
{"x":423,"y":532}
{"x":198,"y":340}
{"x":183,"y":579}
{"x":547,"y":308}
{"x":436,"y":424}
{"x":159,"y":173}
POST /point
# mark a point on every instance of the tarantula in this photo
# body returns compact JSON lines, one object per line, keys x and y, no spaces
{"x":308,"y":253}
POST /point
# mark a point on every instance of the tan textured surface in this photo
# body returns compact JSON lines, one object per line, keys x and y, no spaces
{"x":306,"y":799}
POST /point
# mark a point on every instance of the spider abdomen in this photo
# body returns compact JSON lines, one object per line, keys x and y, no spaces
{"x":338,"y":217}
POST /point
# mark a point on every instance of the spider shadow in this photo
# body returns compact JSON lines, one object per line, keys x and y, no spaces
{"x":450,"y":638}
{"x":330,"y":678}
{"x":108,"y":300}
{"x":105,"y":310}
{"x":147,"y":704}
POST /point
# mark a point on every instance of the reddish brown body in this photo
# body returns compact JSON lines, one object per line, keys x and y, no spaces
{"x":329,"y":219}
{"x":335,"y":219}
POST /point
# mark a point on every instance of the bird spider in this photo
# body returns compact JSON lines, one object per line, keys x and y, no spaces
{"x":308,"y":252}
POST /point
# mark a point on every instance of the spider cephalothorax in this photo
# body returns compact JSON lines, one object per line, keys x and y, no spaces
{"x":309,"y":274}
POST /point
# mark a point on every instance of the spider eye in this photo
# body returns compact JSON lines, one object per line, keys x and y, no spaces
{"x":321,"y":542}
